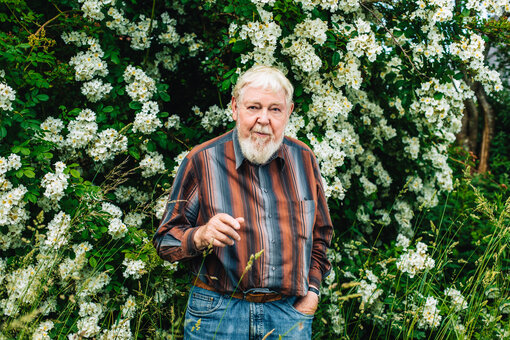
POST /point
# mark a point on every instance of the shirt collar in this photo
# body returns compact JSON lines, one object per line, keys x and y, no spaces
{"x":279,"y":155}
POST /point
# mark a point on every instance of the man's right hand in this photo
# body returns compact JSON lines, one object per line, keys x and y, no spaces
{"x":221,"y":229}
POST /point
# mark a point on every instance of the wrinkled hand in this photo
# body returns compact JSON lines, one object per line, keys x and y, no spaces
{"x":221,"y":229}
{"x":307,"y":304}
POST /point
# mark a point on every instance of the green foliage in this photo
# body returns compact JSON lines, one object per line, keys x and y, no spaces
{"x":40,"y":281}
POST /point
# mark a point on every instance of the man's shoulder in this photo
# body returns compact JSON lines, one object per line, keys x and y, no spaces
{"x":211,"y":143}
{"x":294,"y":143}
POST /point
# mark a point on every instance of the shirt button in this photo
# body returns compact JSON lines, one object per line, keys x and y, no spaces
{"x":272,"y":241}
{"x":274,"y":268}
{"x":265,"y":190}
{"x":269,"y":215}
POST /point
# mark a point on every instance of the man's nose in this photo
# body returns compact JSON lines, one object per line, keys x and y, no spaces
{"x":263,"y":117}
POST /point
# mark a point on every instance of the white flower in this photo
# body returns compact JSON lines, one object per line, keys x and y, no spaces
{"x":7,"y":96}
{"x":140,"y":86}
{"x":107,"y":145}
{"x":415,"y":261}
{"x":95,"y":90}
{"x":458,"y":301}
{"x":81,"y":130}
{"x":129,"y":307}
{"x":41,"y":333}
{"x":147,"y":121}
{"x":430,"y":317}
{"x":111,"y":209}
{"x":152,"y":164}
{"x":134,"y":268}
{"x":52,"y":127}
{"x":117,"y":229}
{"x":58,"y":235}
{"x":55,"y":183}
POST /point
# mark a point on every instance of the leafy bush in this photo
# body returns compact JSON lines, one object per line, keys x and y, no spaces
{"x":101,"y":100}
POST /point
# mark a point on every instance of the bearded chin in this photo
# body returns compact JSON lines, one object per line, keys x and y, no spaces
{"x":258,"y":150}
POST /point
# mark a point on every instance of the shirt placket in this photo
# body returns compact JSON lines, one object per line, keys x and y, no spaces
{"x":272,"y":267}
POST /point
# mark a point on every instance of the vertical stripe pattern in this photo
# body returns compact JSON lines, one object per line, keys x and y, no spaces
{"x":283,"y":205}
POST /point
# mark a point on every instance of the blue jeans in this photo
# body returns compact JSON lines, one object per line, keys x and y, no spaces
{"x":211,"y":315}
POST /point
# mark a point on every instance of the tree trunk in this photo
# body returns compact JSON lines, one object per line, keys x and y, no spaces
{"x":467,"y":138}
{"x":488,"y":129}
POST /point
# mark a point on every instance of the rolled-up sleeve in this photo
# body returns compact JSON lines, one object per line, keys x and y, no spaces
{"x":174,"y":238}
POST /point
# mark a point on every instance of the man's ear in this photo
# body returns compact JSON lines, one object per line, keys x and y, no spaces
{"x":233,"y":104}
{"x":291,"y":109}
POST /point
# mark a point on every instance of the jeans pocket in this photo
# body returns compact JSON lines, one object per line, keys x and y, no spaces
{"x":302,"y":315}
{"x":203,"y":302}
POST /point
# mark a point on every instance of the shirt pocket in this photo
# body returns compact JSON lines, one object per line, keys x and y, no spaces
{"x":305,"y":218}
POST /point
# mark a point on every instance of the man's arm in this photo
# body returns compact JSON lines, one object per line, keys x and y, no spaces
{"x":174,"y":238}
{"x":178,"y":237}
{"x":322,"y":235}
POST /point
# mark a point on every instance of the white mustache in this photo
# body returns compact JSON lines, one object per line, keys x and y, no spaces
{"x":262,"y":129}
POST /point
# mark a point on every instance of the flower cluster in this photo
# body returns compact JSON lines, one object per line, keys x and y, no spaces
{"x":368,"y":289}
{"x":430,"y":317}
{"x":152,"y":164}
{"x":51,"y":129}
{"x":57,"y":235}
{"x":137,"y":32}
{"x":459,"y":302}
{"x":7,"y":96}
{"x":81,"y":130}
{"x":134,"y":268}
{"x":95,"y":90}
{"x":41,"y":333}
{"x":413,"y":261}
{"x":13,"y":213}
{"x":263,"y":36}
{"x":89,"y":313}
{"x":140,"y":86}
{"x":147,"y":121}
{"x":89,"y":64}
{"x":92,"y":8}
{"x":55,"y":183}
{"x":364,"y":42}
{"x":106,"y":145}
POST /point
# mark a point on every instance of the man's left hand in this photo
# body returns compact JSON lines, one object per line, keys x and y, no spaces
{"x":307,"y":304}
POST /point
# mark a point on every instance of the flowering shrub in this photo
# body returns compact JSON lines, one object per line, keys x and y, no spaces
{"x":101,"y":100}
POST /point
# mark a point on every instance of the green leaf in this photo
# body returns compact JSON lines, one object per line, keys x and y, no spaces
{"x":108,"y":109}
{"x":133,"y":151}
{"x":29,"y":173}
{"x":3,"y":132}
{"x":458,"y":76}
{"x":164,"y":96}
{"x":335,"y":59}
{"x":93,"y":262}
{"x":43,"y":97}
{"x":135,"y":105}
{"x":240,"y":46}
{"x":31,"y":197}
{"x":225,"y":85}
{"x":75,"y":173}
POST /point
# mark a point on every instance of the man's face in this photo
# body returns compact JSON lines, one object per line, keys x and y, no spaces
{"x":261,"y":117}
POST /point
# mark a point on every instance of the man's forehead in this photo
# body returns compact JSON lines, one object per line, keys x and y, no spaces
{"x":257,"y":94}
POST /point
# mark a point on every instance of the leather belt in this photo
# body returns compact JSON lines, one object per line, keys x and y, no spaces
{"x":250,"y":297}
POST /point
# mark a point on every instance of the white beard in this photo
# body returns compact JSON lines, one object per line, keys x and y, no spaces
{"x":258,"y":150}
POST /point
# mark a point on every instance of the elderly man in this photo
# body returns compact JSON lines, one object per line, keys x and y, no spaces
{"x":250,"y":191}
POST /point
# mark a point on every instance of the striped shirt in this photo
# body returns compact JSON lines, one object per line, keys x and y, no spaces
{"x":283,"y":205}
